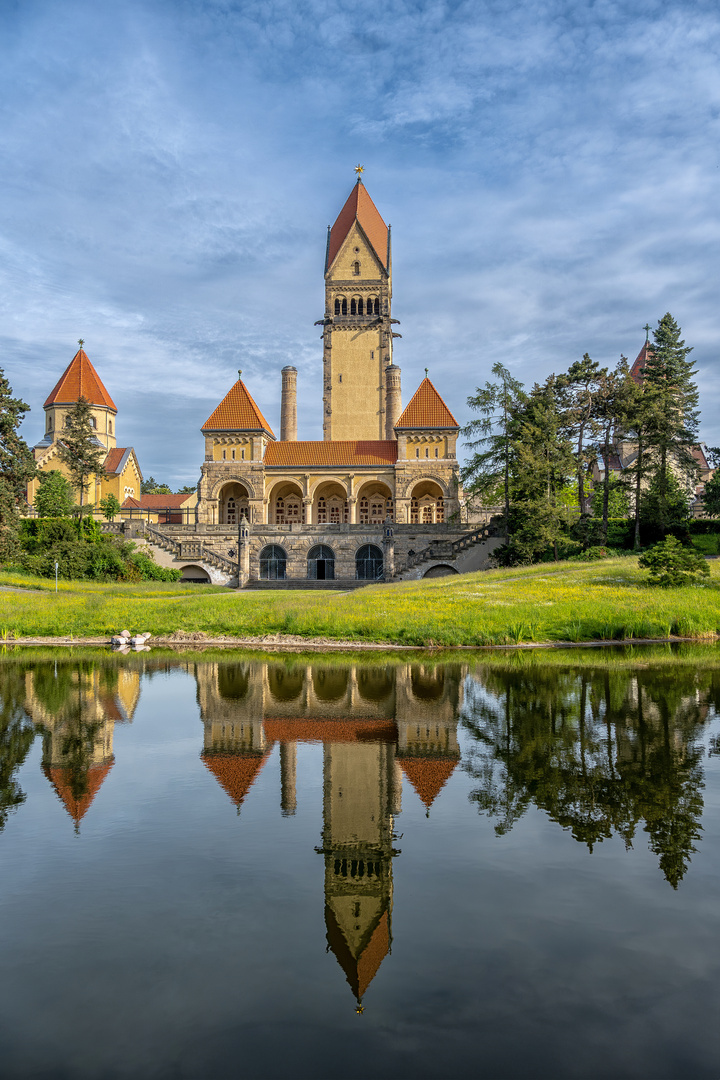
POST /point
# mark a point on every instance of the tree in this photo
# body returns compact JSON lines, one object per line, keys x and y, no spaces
{"x":79,"y":449}
{"x":615,"y":391}
{"x":663,"y":506}
{"x":17,"y":466}
{"x":670,"y":564}
{"x":637,"y":420}
{"x":110,"y":506}
{"x":188,"y":489}
{"x":668,"y":378}
{"x":151,"y":486}
{"x":491,"y":437}
{"x":54,"y":497}
{"x":577,"y":393}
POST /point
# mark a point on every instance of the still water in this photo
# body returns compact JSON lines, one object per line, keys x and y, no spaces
{"x":220,"y":868}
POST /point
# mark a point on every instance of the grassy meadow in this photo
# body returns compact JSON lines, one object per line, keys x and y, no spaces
{"x":569,"y":601}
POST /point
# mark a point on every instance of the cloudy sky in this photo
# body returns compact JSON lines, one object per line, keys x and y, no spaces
{"x":550,"y":170}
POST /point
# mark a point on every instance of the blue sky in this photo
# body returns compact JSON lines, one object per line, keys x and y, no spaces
{"x":550,"y":171}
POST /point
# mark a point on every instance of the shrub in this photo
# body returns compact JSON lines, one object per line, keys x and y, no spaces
{"x":671,"y":564}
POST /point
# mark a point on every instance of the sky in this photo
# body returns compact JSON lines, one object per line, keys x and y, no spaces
{"x":169,"y":169}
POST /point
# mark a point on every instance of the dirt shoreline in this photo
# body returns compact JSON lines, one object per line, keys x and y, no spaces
{"x":293,"y":643}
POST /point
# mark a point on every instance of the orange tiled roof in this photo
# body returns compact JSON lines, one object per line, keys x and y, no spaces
{"x":427,"y":775}
{"x":636,"y":371}
{"x":77,"y":806}
{"x":154,"y":501}
{"x":290,"y":455}
{"x":329,"y":730}
{"x":80,"y":379}
{"x":237,"y":412}
{"x":427,"y":410}
{"x":236,"y":773}
{"x":359,"y":970}
{"x":360,"y":207}
{"x":113,"y":459}
{"x":699,"y":454}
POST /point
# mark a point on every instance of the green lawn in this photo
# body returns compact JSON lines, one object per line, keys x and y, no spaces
{"x":550,"y":602}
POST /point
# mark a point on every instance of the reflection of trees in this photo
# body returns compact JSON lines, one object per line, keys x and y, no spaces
{"x":16,"y":738}
{"x":598,"y":750}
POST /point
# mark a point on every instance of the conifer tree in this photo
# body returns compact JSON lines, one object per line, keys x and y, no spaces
{"x":17,"y":466}
{"x":577,"y":393}
{"x":614,"y":391}
{"x":491,"y":437}
{"x":79,"y":448}
{"x":668,"y":378}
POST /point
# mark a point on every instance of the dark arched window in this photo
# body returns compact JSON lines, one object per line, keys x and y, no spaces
{"x":321,"y":563}
{"x":344,"y":306}
{"x":377,"y":306}
{"x":361,"y":310}
{"x":356,"y":269}
{"x":337,"y":307}
{"x":273,"y":563}
{"x":369,"y":563}
{"x":353,"y":307}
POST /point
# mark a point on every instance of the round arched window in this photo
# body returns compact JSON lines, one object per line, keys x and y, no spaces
{"x":273,"y":563}
{"x":369,"y":563}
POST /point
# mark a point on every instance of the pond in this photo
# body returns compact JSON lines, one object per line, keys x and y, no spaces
{"x":215,"y":866}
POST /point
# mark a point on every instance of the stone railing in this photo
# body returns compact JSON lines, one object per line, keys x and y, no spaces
{"x":446,"y":549}
{"x":190,"y":549}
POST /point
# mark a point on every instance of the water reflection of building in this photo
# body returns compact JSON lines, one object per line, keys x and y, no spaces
{"x":374,"y":723}
{"x":77,"y":707}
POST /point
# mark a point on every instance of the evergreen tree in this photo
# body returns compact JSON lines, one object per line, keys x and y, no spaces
{"x":54,"y":497}
{"x":488,"y":470}
{"x":79,"y":448}
{"x":17,"y":466}
{"x":668,"y":378}
{"x":577,"y":391}
{"x":637,"y":419}
{"x":614,"y":392}
{"x":151,"y":487}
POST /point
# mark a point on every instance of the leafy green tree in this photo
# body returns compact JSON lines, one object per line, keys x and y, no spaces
{"x":664,"y":506}
{"x":668,"y":378}
{"x":577,"y":393}
{"x":110,"y":507}
{"x":79,"y":449}
{"x":670,"y":564}
{"x":490,"y":435}
{"x":54,"y":496}
{"x":615,"y":392}
{"x":17,"y":466}
{"x":151,"y":487}
{"x":711,"y":496}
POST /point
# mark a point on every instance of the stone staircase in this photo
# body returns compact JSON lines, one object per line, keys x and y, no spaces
{"x":190,"y":549}
{"x":446,"y":550}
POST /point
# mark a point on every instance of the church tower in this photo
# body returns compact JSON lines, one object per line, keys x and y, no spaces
{"x":357,"y":334}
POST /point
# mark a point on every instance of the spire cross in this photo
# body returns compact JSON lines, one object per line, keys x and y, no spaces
{"x":647,"y":328}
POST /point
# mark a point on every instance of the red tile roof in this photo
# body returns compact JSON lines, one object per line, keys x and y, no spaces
{"x":427,"y":775}
{"x":636,"y":371}
{"x":237,"y":412}
{"x":427,"y":410}
{"x":360,"y":207}
{"x":113,"y":459}
{"x":77,"y":805}
{"x":292,"y":455}
{"x":359,"y":970}
{"x":699,"y":454}
{"x":236,"y":773}
{"x":158,"y":502}
{"x":329,"y":730}
{"x":80,"y":379}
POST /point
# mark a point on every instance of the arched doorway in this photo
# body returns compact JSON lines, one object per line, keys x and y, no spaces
{"x":369,"y":563}
{"x":273,"y":563}
{"x":330,"y":506}
{"x":427,"y":504}
{"x":233,"y":501}
{"x":321,"y":563}
{"x":197,"y":575}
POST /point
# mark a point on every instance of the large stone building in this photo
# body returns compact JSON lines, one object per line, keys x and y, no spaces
{"x":317,"y":508}
{"x":122,"y":477}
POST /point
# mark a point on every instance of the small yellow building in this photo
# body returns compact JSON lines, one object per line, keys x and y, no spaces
{"x":123,"y":477}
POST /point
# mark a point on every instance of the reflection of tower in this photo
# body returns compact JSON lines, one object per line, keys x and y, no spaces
{"x":427,"y":747}
{"x":359,"y":798}
{"x":78,"y":709}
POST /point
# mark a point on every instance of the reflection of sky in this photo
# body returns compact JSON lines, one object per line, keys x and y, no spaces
{"x":550,"y":172}
{"x":173,"y":932}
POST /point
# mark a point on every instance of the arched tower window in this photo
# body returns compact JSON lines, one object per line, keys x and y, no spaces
{"x":376,"y":307}
{"x":361,"y":308}
{"x":343,"y":306}
{"x":356,"y":269}
{"x":353,"y":306}
{"x":337,"y":306}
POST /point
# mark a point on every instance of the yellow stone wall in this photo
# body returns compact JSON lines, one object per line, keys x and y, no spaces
{"x":231,"y":448}
{"x":104,"y":422}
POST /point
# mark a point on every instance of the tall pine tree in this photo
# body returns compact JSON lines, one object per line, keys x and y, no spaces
{"x":79,"y":448}
{"x":17,"y":466}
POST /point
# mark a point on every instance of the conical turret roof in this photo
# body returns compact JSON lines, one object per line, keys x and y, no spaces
{"x":80,"y":379}
{"x":77,"y":804}
{"x":427,"y":775}
{"x":359,"y":207}
{"x":237,"y":412}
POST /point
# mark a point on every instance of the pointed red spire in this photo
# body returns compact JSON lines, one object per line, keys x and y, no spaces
{"x":359,"y":207}
{"x":80,"y":379}
{"x":427,"y":410}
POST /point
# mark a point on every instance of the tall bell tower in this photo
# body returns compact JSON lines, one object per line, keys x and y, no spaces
{"x":357,"y":326}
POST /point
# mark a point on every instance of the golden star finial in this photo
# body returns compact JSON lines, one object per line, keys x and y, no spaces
{"x":359,"y":169}
{"x":81,"y":342}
